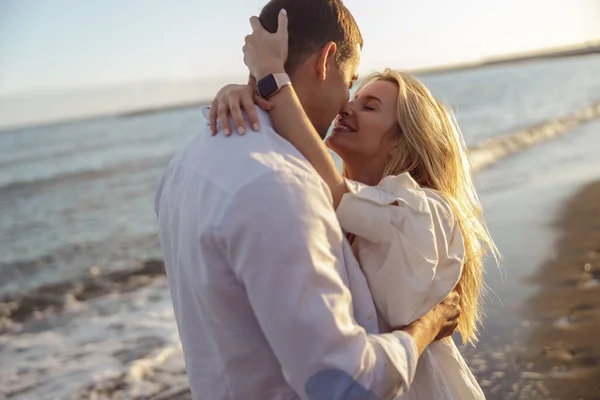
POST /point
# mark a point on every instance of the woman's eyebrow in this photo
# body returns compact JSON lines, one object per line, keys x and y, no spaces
{"x":369,"y":97}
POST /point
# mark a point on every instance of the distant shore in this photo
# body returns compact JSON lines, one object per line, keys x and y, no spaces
{"x":583,"y":51}
{"x":514,"y":59}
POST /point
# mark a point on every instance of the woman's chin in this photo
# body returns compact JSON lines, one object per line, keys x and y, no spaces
{"x":330,"y":142}
{"x":336,"y":143}
{"x":348,"y":151}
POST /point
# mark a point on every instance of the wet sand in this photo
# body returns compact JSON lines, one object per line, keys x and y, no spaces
{"x":525,"y":197}
{"x":564,"y":347}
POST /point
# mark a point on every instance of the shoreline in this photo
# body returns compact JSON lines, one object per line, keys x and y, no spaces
{"x":563,"y":343}
{"x":526,"y":197}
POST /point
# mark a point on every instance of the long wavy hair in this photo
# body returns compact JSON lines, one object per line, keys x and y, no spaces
{"x":431,"y":149}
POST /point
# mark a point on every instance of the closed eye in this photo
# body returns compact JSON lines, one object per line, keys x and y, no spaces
{"x":368,"y":108}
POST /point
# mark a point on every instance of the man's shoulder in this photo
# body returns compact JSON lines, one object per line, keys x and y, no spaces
{"x":236,"y":161}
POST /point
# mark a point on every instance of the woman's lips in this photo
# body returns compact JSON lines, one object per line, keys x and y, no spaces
{"x":342,"y":127}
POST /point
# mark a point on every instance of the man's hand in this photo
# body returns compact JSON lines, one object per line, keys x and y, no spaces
{"x":448,"y":312}
{"x":437,"y":324}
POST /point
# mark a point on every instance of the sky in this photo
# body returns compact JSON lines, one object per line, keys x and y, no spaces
{"x":61,"y":46}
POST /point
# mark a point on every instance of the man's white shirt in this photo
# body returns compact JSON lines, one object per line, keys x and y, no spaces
{"x":269,"y":300}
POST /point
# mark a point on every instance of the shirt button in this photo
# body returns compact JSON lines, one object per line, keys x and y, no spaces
{"x":371,"y":315}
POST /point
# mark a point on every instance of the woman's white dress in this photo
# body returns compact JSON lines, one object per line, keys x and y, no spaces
{"x":411,"y":251}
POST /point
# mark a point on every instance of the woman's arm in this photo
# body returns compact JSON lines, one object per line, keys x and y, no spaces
{"x":292,"y":123}
{"x":266,"y":53}
{"x":411,"y":248}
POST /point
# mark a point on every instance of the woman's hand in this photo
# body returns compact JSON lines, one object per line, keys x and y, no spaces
{"x":233,"y":100}
{"x":266,"y":53}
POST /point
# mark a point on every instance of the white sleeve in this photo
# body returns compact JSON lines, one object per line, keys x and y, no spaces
{"x":284,"y":246}
{"x":409,"y":244}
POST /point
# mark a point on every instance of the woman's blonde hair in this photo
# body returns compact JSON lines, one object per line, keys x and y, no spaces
{"x":431,"y":148}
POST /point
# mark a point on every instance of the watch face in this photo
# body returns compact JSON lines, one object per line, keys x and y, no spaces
{"x":267,"y":86}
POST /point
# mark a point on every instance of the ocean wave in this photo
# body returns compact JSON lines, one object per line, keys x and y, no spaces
{"x":482,"y":154}
{"x":160,"y":375}
{"x":34,"y":186}
{"x":494,"y":149}
{"x":56,"y":296}
{"x":123,"y":345}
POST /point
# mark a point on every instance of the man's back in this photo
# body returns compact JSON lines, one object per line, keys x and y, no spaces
{"x":227,"y":355}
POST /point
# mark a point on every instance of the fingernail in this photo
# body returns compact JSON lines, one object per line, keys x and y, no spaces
{"x":284,"y":11}
{"x":255,"y":127}
{"x":226,"y":132}
{"x":241,"y":130}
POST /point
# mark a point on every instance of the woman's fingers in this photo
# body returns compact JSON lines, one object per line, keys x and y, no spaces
{"x":248,"y":105}
{"x":212,"y":117}
{"x":236,"y":114}
{"x":232,"y":101}
{"x":256,"y":25}
{"x":266,"y":105}
{"x":282,"y":23}
{"x":223,"y":113}
{"x":266,"y":52}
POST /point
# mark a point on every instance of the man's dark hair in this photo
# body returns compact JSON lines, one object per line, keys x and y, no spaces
{"x":312,"y":24}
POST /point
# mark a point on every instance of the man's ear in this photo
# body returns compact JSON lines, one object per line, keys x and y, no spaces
{"x":326,"y":55}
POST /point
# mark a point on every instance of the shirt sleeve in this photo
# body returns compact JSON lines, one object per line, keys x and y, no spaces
{"x":409,"y":245}
{"x":284,"y":243}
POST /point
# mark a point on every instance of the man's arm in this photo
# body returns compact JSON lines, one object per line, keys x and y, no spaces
{"x":283,"y":242}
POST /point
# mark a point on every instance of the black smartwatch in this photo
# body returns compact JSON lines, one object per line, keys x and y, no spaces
{"x":271,"y":84}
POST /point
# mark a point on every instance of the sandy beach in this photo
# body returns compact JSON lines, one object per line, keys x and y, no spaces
{"x":543,"y":210}
{"x":564,"y":345}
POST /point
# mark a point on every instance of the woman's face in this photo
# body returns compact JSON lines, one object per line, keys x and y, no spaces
{"x":365,"y":130}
